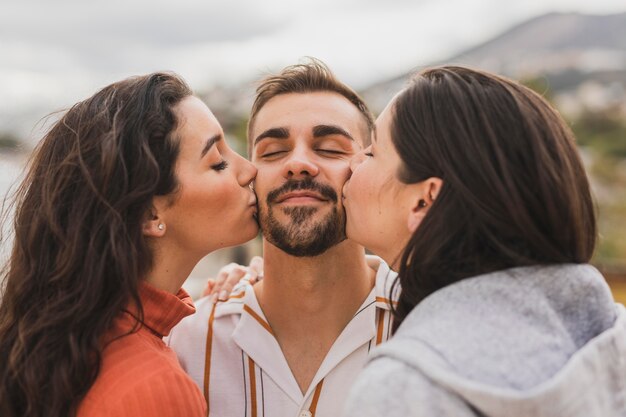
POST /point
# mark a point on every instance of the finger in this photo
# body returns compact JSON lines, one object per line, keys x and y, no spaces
{"x":222,"y":275}
{"x":208,"y":288}
{"x":229,"y":283}
{"x":256,"y":265}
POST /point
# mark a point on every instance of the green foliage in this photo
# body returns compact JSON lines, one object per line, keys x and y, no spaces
{"x":603,"y":132}
{"x":235,"y":129}
{"x":8,"y":142}
{"x":611,"y":249}
{"x":239,"y":130}
{"x":603,"y":135}
{"x":540,"y":86}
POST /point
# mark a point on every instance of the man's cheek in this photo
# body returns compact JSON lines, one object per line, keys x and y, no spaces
{"x":260,"y":189}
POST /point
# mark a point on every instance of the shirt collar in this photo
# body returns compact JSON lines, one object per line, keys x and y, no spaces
{"x":254,"y":335}
{"x":385,"y":278}
{"x":161,"y":310}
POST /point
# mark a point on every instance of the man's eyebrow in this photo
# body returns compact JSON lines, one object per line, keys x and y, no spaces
{"x":209,"y":144}
{"x":274,"y":132}
{"x":327,"y":130}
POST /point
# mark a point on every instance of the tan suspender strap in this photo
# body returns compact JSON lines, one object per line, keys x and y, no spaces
{"x":207,"y":359}
{"x":316,"y":397}
{"x":381,"y":324}
{"x":252,"y":373}
{"x":258,"y":318}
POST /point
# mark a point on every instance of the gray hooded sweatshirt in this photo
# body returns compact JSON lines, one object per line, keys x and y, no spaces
{"x":532,"y":341}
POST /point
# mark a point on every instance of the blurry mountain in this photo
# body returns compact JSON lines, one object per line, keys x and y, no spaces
{"x":580,"y":60}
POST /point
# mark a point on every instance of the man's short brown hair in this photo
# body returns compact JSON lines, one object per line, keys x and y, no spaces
{"x":308,"y":77}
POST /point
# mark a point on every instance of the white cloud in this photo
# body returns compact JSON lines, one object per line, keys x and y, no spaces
{"x":63,"y":50}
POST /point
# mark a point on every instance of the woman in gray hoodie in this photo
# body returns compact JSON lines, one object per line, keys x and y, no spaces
{"x":474,"y":191}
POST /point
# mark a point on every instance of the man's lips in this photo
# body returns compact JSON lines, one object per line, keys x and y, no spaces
{"x":302,"y":192}
{"x":300,"y":196}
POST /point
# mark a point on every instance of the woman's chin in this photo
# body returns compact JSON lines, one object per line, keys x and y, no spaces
{"x":250,"y":232}
{"x":240,"y":235}
{"x":357,"y":236}
{"x":373,"y":248}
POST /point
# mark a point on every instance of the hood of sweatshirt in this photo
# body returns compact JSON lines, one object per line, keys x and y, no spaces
{"x":529,"y":341}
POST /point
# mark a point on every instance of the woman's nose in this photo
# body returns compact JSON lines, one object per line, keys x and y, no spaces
{"x":247,"y":172}
{"x":357,"y":159}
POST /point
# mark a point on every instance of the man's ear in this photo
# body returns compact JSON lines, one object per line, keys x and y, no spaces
{"x":426,"y":194}
{"x":154,"y":224}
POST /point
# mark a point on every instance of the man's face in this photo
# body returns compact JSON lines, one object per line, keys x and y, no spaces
{"x":302,"y":145}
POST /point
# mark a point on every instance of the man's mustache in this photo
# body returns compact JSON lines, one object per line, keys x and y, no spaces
{"x":305,"y":184}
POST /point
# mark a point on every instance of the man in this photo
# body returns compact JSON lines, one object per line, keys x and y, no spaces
{"x":292,"y":344}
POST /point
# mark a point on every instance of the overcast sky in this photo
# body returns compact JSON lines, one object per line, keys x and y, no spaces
{"x":54,"y":53}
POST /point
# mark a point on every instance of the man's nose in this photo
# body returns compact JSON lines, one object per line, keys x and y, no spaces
{"x":299,"y":165}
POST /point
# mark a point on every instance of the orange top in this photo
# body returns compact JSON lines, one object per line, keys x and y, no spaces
{"x":140,"y":375}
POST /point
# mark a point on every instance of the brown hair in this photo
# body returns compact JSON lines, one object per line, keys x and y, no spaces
{"x":309,"y":77}
{"x":79,"y":251}
{"x":514,"y":190}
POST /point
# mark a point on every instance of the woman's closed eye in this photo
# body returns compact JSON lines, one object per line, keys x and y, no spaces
{"x":220,"y":166}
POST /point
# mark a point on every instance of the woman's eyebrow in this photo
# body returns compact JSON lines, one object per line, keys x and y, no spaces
{"x":209,"y":144}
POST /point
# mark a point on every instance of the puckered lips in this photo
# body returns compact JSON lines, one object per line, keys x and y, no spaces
{"x":301,"y":197}
{"x":253,"y":204}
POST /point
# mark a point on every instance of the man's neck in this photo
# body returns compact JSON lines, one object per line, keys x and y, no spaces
{"x":337,"y":276}
{"x":308,"y":301}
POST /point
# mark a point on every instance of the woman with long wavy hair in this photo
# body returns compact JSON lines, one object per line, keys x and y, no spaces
{"x":473,"y":190}
{"x":124,"y":195}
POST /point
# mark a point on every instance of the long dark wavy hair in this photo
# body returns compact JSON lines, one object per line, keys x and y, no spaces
{"x":79,"y":252}
{"x":514,"y":190}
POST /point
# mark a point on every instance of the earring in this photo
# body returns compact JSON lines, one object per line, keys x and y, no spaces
{"x":421,"y":204}
{"x":161,"y":226}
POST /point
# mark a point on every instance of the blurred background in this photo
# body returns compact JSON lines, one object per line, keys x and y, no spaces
{"x":573,"y":52}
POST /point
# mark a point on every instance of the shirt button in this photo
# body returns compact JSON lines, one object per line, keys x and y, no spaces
{"x":305,"y":413}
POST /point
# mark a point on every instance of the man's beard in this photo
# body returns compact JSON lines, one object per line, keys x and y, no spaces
{"x":303,"y":236}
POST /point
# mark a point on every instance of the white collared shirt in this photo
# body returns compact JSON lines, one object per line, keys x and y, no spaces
{"x":233,"y":356}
